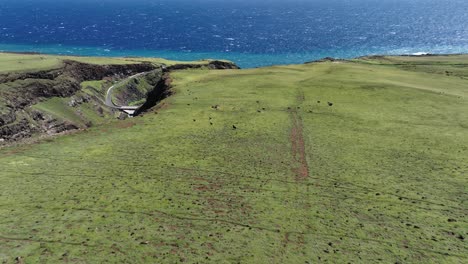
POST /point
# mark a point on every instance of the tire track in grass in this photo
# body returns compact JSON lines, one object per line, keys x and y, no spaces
{"x":290,"y":240}
{"x":298,"y":147}
{"x":297,"y":141}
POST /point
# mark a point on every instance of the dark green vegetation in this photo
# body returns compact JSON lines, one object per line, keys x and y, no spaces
{"x":134,"y":92}
{"x":363,"y":162}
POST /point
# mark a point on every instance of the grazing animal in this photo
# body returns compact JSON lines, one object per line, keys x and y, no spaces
{"x":330,"y":104}
{"x":234,"y":127}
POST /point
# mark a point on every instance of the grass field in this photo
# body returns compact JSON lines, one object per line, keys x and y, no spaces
{"x":359,"y":162}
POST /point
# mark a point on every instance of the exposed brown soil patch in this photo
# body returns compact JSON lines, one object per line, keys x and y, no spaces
{"x":298,"y":147}
{"x":208,"y":187}
{"x":286,"y":240}
{"x":124,"y":125}
{"x":300,"y":168}
{"x":162,"y":106}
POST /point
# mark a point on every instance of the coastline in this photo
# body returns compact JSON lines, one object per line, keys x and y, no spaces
{"x":244,"y":60}
{"x":318,"y":60}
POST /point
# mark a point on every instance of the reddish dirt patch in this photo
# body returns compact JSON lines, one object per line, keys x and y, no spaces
{"x":286,"y":240}
{"x":10,"y":153}
{"x":300,"y":242}
{"x":202,"y":188}
{"x":298,"y":147}
{"x":167,"y":79}
{"x":124,"y":125}
{"x":208,"y":187}
{"x":161,"y":106}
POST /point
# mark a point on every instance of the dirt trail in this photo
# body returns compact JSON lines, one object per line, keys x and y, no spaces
{"x":298,"y":147}
{"x":300,"y":167}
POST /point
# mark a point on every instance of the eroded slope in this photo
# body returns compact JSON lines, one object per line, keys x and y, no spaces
{"x":52,"y":94}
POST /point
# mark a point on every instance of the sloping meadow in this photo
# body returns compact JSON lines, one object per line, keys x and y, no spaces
{"x":338,"y":161}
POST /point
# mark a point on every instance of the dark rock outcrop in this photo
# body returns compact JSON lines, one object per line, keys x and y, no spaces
{"x":326,"y":59}
{"x":8,"y":117}
{"x":222,"y":65}
{"x":213,"y":65}
{"x":18,"y":130}
{"x":25,"y":89}
{"x":83,"y":71}
{"x":43,"y":75}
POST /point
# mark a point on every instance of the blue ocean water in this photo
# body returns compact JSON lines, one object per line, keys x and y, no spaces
{"x":250,"y":32}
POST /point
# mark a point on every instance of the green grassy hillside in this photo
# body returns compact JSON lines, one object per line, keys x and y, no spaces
{"x":360,"y":162}
{"x":15,"y":62}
